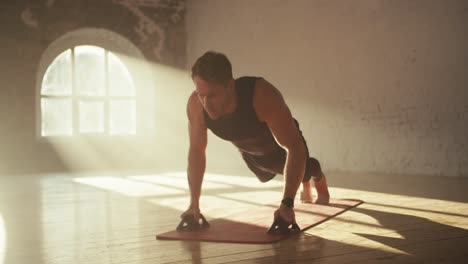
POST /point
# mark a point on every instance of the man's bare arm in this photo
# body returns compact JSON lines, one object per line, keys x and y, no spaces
{"x":272,"y":109}
{"x":196,"y":155}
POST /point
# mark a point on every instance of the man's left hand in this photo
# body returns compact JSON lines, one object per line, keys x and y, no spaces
{"x":286,"y":213}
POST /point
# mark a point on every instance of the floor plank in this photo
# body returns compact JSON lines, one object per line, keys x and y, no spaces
{"x":113,"y":218}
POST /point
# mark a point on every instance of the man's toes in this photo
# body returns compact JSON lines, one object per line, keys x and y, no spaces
{"x":322,"y":200}
{"x":306,"y":197}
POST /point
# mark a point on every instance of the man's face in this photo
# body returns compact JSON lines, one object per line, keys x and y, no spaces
{"x":213,"y":97}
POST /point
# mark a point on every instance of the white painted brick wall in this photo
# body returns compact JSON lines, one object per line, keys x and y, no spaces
{"x":377,"y":86}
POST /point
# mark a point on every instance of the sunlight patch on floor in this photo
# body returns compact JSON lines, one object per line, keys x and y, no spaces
{"x":360,"y":241}
{"x":211,"y":206}
{"x":382,"y":218}
{"x":397,"y":203}
{"x":256,"y":197}
{"x":127,"y":187}
{"x":176,"y":181}
{"x":236,"y":181}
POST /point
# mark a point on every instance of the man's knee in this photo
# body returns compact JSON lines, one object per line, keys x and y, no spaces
{"x":264,"y":176}
{"x":313,"y":170}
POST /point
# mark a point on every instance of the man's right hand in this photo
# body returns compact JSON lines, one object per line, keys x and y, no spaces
{"x":192,"y":210}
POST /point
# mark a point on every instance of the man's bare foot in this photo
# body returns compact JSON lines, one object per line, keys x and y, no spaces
{"x":323,"y":196}
{"x":306,"y":193}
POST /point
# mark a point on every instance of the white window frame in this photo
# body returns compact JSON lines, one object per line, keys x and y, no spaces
{"x":115,"y":43}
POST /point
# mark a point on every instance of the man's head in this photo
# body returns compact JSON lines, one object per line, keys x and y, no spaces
{"x":212,"y":75}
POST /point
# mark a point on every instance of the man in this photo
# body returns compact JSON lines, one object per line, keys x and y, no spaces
{"x":251,"y":113}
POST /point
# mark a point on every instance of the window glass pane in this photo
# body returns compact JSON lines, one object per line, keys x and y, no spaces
{"x":90,"y":70}
{"x":122,"y":117}
{"x":91,"y":116}
{"x":120,"y":81}
{"x":56,"y":117}
{"x":57,"y":79}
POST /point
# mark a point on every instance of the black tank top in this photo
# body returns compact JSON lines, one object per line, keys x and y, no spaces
{"x":242,"y":127}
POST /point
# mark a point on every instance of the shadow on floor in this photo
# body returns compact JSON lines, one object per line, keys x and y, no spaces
{"x":420,"y":241}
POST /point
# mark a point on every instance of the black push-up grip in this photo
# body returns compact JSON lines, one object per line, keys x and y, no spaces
{"x":189,"y":223}
{"x":281,"y":227}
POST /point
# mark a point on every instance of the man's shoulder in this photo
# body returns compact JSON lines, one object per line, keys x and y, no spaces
{"x":192,"y":96}
{"x":246,"y":78}
{"x":263,"y":87}
{"x":266,"y":98}
{"x":247,"y":83}
{"x":194,"y":106}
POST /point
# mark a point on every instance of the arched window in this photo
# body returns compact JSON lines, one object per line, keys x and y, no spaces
{"x":95,"y":82}
{"x":87,"y":90}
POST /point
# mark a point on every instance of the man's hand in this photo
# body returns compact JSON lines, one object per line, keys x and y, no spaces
{"x":192,"y":210}
{"x":196,"y":155}
{"x":286,"y":213}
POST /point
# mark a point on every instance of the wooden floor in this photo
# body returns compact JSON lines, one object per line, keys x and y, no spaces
{"x":113,"y":218}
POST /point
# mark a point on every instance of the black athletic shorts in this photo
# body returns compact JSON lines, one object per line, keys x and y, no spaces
{"x":267,"y":166}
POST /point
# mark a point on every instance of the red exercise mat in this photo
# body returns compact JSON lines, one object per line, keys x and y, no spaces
{"x":251,"y":226}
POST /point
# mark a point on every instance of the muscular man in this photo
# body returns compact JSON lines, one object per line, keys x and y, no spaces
{"x":252,"y":114}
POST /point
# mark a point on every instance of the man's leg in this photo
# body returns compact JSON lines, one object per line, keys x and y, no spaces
{"x":306,"y":193}
{"x":266,"y":167}
{"x":314,"y":173}
{"x":323,"y":196}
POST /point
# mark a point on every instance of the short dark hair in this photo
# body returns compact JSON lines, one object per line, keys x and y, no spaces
{"x":213,"y":66}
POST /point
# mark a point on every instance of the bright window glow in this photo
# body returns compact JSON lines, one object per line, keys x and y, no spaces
{"x":121,"y":83}
{"x":90,"y":70}
{"x":87,"y":89}
{"x":91,"y":116}
{"x":58,"y":77}
{"x":122,"y":117}
{"x":56,"y":117}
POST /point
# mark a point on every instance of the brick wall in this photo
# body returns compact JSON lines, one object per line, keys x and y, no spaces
{"x":378,"y":86}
